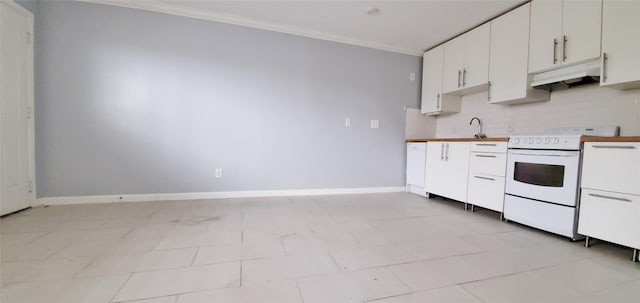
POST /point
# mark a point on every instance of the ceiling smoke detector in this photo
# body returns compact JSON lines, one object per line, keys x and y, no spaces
{"x":372,"y":11}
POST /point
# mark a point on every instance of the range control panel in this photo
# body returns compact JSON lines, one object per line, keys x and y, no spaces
{"x":571,"y":142}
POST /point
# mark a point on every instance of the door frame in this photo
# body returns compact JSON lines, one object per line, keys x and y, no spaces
{"x":30,"y":101}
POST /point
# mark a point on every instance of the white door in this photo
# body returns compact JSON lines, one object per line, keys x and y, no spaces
{"x":453,"y":65}
{"x":509,"y":55}
{"x":545,"y":35}
{"x":620,"y":42}
{"x":581,"y":27}
{"x":543,"y":175}
{"x":432,"y":80}
{"x":16,"y":25}
{"x":435,"y":170}
{"x":476,"y":56}
{"x":457,"y":170}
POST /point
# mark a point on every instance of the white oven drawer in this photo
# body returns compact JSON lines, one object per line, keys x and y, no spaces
{"x":489,"y":146}
{"x":486,"y":191}
{"x":488,"y":163}
{"x":612,"y":166}
{"x":612,"y":217}
{"x":554,"y":218}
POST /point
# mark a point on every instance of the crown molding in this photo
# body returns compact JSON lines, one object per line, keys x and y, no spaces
{"x":160,"y":7}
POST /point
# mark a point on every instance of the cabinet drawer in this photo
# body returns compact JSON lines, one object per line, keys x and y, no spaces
{"x":612,"y":166}
{"x":486,"y":191}
{"x":488,"y":164}
{"x":490,"y":147}
{"x":610,"y":216}
{"x":417,"y":146}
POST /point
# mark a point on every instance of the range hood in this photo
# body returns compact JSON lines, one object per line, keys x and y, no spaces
{"x":568,"y":76}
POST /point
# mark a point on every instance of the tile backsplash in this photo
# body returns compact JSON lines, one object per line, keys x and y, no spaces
{"x":591,"y":105}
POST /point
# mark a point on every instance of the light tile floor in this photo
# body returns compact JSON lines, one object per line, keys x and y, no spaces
{"x":384,"y":248}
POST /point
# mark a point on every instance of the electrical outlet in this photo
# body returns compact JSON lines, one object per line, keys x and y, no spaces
{"x":347,"y":122}
{"x":375,"y":123}
{"x":510,"y":127}
{"x":412,"y":77}
{"x":218,"y":173}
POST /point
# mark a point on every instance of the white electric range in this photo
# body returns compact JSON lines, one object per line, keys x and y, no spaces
{"x":543,"y":178}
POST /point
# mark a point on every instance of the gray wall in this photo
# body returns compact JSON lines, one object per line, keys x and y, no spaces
{"x":132,"y":102}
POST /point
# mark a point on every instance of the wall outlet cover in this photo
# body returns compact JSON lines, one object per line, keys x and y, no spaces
{"x":375,"y":123}
{"x":218,"y":173}
{"x":347,"y":122}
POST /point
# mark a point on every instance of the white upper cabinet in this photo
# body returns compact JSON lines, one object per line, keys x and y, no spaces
{"x":545,"y":35}
{"x":564,"y":32}
{"x":508,"y":60}
{"x":620,"y":44}
{"x":476,"y":56}
{"x":433,"y":101}
{"x":581,"y":26}
{"x":453,"y":64}
{"x":466,"y":61}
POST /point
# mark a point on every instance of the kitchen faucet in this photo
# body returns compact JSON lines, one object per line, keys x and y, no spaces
{"x":479,"y":135}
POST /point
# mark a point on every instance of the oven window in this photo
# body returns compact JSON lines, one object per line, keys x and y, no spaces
{"x":539,"y":174}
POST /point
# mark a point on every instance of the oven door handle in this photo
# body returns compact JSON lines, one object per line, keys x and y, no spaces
{"x":555,"y":154}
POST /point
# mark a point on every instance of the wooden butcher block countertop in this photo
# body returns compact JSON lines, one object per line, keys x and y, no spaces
{"x":458,"y":139}
{"x":610,"y":139}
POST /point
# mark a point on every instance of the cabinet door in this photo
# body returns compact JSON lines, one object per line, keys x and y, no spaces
{"x":457,"y":170}
{"x":434,"y":172}
{"x":432,"y":80}
{"x":453,"y":64}
{"x":475,"y":71}
{"x":509,"y":55}
{"x":416,"y":157}
{"x":486,"y":191}
{"x":581,"y":28}
{"x":545,"y":35}
{"x":621,"y":43}
{"x":609,"y":216}
{"x":612,"y":166}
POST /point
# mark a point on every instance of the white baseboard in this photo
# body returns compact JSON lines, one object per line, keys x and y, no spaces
{"x":211,"y":195}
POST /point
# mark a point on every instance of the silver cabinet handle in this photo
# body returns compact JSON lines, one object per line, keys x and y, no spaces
{"x":555,"y":48}
{"x":615,"y":146}
{"x":438,"y":102}
{"x":486,"y":156}
{"x":484,"y":178}
{"x":610,"y":197}
{"x":459,"y":74}
{"x":446,"y":155}
{"x":489,"y":91}
{"x":564,"y":48}
{"x":604,"y":67}
{"x":441,"y":151}
{"x":486,"y":144}
{"x":464,"y":77}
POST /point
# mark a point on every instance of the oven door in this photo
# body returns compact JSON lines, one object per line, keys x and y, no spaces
{"x":545,"y":175}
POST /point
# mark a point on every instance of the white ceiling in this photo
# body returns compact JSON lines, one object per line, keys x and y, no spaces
{"x":408,"y":27}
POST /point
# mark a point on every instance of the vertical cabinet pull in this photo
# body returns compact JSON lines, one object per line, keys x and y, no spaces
{"x":446,"y":155}
{"x":464,"y":77}
{"x":441,"y":151}
{"x":438,"y":102}
{"x":555,"y":48}
{"x":604,"y":67}
{"x":564,"y":48}
{"x":459,"y":76}
{"x":489,"y":91}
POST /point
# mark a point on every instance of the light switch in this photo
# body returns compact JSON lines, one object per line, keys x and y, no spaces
{"x":375,"y":123}
{"x":347,"y":122}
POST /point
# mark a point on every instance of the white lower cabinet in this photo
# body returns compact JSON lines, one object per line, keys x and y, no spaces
{"x":487,"y":167}
{"x":612,"y":217}
{"x":447,"y":169}
{"x":610,"y":196}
